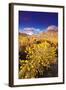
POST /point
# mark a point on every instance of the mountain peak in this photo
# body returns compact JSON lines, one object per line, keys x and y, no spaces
{"x":52,"y":28}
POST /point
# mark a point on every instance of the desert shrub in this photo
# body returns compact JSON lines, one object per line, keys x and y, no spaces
{"x":38,"y":59}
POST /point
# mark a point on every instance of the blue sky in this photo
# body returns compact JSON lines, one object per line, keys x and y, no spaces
{"x":37,"y":20}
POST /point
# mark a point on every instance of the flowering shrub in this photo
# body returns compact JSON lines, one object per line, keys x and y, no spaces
{"x":38,"y":59}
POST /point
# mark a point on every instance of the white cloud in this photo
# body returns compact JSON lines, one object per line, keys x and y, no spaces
{"x":30,"y":31}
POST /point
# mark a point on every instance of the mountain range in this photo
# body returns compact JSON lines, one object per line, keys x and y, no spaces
{"x":32,"y":31}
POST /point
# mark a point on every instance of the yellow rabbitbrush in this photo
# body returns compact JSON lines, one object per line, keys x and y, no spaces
{"x":39,"y":57}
